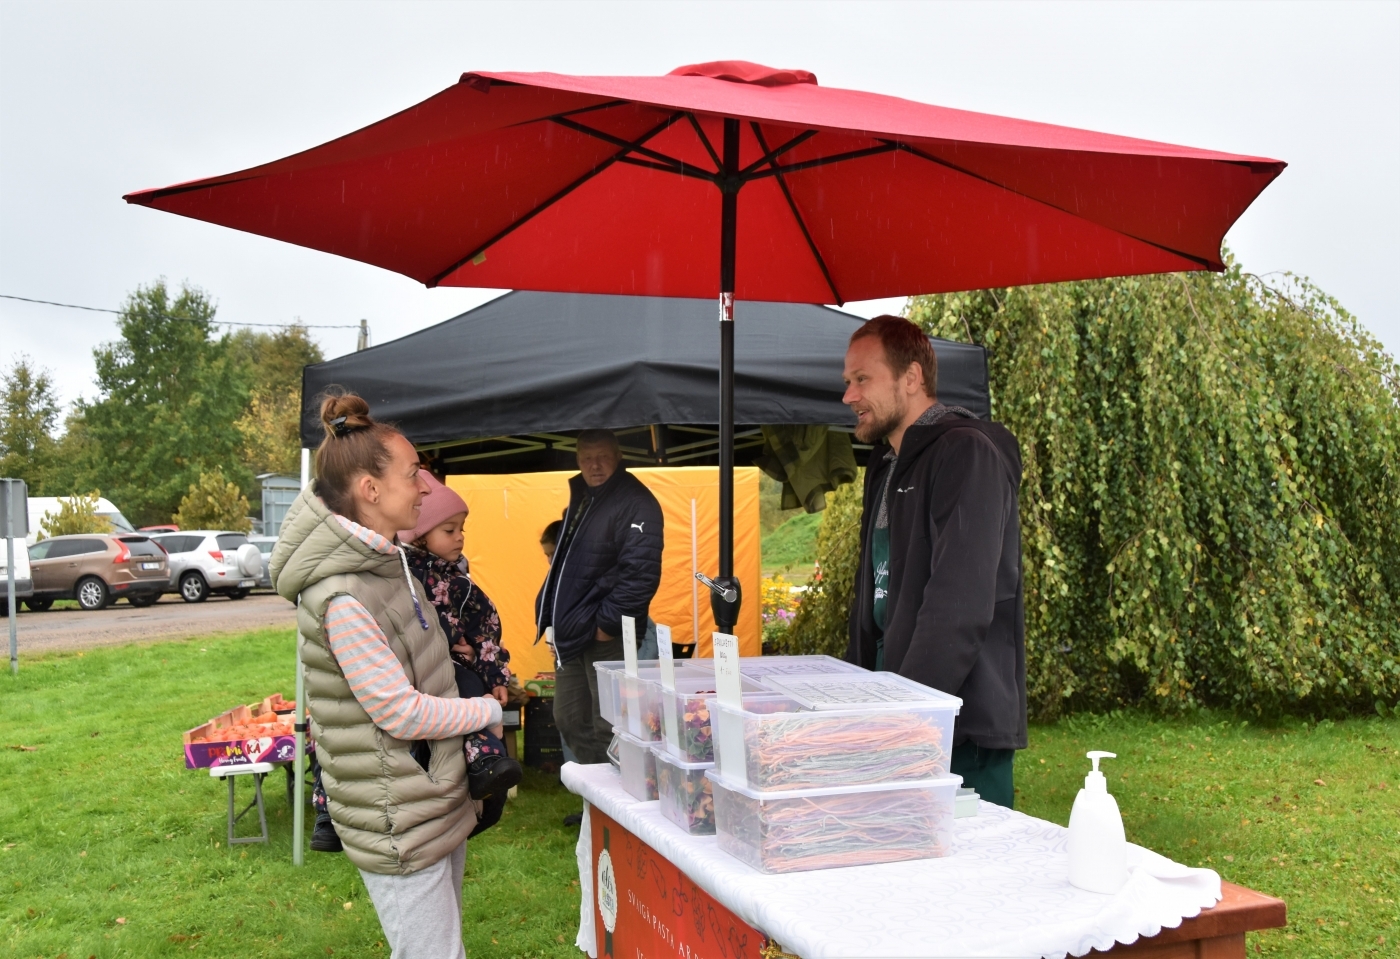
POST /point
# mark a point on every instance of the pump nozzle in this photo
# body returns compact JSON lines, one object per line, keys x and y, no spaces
{"x":1096,"y":754}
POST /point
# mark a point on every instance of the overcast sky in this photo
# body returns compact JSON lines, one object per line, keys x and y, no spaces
{"x":100,"y":99}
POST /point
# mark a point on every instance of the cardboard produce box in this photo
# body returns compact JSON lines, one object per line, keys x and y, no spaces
{"x":256,"y":733}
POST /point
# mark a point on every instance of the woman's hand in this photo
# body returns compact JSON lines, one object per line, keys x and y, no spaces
{"x":466,"y":650}
{"x":500,"y":693}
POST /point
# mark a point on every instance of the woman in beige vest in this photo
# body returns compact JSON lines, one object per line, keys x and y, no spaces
{"x":385,"y":712}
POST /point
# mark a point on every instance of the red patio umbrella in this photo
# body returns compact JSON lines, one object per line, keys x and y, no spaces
{"x":729,"y":179}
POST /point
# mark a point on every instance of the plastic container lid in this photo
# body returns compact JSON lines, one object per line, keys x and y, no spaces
{"x":670,"y":758}
{"x":950,"y":781}
{"x":846,"y":690}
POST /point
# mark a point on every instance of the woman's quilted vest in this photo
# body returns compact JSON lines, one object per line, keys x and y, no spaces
{"x":392,"y":816}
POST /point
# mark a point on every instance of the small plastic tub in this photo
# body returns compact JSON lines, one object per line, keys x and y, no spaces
{"x":686,"y":717}
{"x":639,"y":704}
{"x":612,"y":672}
{"x":635,"y":763}
{"x":685,"y":793}
{"x":902,"y":732}
{"x":796,"y":831}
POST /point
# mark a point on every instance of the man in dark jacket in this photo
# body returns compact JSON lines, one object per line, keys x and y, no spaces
{"x":606,"y":565}
{"x":938,"y":591}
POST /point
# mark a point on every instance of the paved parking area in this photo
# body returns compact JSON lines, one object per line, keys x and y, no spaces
{"x":171,"y":618}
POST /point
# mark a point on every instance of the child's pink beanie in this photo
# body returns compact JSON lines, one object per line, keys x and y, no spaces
{"x":440,"y":505}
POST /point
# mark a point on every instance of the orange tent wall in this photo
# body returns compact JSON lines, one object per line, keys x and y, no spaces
{"x":508,"y":513}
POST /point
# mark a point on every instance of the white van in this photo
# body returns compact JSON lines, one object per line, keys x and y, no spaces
{"x":42,"y":506}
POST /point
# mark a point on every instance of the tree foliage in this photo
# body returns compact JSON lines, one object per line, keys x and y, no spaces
{"x":1211,"y":492}
{"x":214,"y":503}
{"x":76,"y":514}
{"x":821,"y":624}
{"x":271,"y":426}
{"x":171,"y":395}
{"x":28,"y":415}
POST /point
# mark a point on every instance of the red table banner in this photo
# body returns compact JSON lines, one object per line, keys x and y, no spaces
{"x":646,"y":908}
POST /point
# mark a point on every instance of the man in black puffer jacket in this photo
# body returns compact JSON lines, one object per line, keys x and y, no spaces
{"x":606,"y":565}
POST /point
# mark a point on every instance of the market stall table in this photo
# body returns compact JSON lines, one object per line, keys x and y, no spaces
{"x":1003,"y":892}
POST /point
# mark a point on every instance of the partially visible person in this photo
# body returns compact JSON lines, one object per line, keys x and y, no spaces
{"x":473,"y":629}
{"x":938,"y":591}
{"x":549,"y":539}
{"x":390,"y":747}
{"x":606,"y":565}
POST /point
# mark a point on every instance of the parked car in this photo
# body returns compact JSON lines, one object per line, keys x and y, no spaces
{"x":206,"y":561}
{"x":264,"y":545}
{"x":97,"y":570}
{"x":24,"y":585}
{"x":162,"y":528}
{"x":41,"y":506}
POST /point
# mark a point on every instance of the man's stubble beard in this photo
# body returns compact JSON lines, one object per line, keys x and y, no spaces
{"x":877,"y":430}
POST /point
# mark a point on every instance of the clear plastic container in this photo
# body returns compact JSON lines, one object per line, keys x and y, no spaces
{"x":610,"y":676}
{"x":685,"y":793}
{"x":686,"y":718}
{"x":829,"y":828}
{"x":635,"y":763}
{"x":780,"y":743}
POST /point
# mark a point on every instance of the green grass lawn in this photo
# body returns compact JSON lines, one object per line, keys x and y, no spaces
{"x":792,"y":547}
{"x":101,"y":822}
{"x":110,"y":847}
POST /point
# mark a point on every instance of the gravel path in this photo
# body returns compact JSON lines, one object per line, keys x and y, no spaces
{"x":171,"y":618}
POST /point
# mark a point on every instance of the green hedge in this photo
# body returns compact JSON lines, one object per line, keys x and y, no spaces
{"x":1211,"y":504}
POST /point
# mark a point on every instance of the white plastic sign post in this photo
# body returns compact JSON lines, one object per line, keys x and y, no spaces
{"x":668,"y":682}
{"x":729,"y":692}
{"x":728,"y":685}
{"x":665,"y":656}
{"x":629,"y":645}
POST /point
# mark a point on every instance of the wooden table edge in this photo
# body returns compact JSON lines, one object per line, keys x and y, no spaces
{"x":1239,"y":910}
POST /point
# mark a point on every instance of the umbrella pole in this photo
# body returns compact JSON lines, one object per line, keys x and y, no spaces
{"x":726,"y":612}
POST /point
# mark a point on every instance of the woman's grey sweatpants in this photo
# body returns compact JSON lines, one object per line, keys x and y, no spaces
{"x":421,"y":913}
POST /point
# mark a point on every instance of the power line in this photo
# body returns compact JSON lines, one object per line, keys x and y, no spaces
{"x":98,"y":309}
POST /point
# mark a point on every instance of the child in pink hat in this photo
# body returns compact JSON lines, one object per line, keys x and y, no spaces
{"x":473,"y":627}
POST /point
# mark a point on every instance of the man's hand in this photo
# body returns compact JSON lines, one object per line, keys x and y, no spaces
{"x":603,"y":637}
{"x":500,"y":693}
{"x":467,"y":650}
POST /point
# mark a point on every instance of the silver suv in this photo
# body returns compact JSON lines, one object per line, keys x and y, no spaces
{"x":210,"y":561}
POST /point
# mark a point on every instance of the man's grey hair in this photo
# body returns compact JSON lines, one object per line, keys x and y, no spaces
{"x":599,"y":438}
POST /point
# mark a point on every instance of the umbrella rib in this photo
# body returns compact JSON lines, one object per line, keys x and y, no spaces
{"x":679,"y":171}
{"x":531,"y":214}
{"x":906,"y":148}
{"x":821,"y":161}
{"x":796,"y":213}
{"x":597,"y":106}
{"x":700,"y":132}
{"x":677,"y":165}
{"x":771,"y":155}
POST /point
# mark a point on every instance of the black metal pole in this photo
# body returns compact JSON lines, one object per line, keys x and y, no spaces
{"x":727,"y":612}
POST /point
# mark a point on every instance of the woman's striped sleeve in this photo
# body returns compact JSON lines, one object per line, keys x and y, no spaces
{"x":377,"y":679}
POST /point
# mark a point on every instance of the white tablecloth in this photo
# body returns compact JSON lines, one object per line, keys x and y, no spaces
{"x":1004,"y":891}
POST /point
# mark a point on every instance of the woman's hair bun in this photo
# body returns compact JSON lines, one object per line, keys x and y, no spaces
{"x":342,"y":413}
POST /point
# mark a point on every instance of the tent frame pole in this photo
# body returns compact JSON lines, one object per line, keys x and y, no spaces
{"x":299,"y":725}
{"x":726,"y":611}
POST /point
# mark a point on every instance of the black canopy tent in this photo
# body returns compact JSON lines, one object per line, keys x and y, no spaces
{"x":503,"y":388}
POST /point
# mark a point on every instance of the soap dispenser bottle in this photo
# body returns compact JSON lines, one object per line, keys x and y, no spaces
{"x":1098,"y":850}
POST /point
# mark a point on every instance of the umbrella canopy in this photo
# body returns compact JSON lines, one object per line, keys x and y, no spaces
{"x":480,"y":393}
{"x":731,"y":178}
{"x":610,"y":185}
